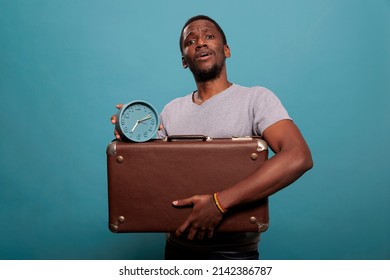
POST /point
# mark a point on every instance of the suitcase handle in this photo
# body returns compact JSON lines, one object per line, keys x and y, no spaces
{"x":172,"y":138}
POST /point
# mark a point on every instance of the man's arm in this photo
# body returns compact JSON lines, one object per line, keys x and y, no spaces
{"x":291,"y":160}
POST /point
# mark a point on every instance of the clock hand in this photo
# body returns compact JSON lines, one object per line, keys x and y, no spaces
{"x":135,"y":125}
{"x":141,"y":120}
{"x":145,"y":118}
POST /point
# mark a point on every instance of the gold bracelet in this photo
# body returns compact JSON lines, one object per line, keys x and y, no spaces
{"x":219,"y":206}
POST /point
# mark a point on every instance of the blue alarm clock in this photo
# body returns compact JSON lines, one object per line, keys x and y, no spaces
{"x":137,"y":121}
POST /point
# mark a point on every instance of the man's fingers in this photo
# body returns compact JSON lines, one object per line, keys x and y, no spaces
{"x":203,"y":218}
{"x":201,"y":235}
{"x":113,"y":118}
{"x":113,"y":121}
{"x":183,"y":202}
{"x":182,"y":228}
{"x":192,"y":233}
{"x":210,"y":233}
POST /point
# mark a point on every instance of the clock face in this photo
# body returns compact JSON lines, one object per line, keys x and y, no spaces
{"x":137,"y":121}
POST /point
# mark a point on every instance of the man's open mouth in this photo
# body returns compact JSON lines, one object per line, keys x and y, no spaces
{"x":203,"y":54}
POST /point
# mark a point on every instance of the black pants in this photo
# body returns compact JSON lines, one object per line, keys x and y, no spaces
{"x":175,"y":253}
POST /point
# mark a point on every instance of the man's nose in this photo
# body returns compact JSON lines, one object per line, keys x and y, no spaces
{"x":201,"y":42}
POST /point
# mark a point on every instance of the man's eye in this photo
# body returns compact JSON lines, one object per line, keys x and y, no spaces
{"x":190,"y":42}
{"x":210,"y":37}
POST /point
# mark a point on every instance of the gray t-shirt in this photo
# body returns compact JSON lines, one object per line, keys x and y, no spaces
{"x":235,"y":112}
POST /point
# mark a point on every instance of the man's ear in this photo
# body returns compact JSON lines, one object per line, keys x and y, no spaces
{"x":227,"y":51}
{"x":183,"y":61}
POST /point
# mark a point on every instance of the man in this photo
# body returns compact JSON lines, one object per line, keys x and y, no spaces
{"x":219,"y":109}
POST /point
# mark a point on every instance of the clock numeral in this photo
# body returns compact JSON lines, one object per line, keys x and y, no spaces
{"x":145,"y":134}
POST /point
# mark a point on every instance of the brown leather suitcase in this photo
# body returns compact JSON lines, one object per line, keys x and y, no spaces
{"x":144,"y":179}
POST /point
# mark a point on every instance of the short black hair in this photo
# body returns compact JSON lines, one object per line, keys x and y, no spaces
{"x":205,"y":18}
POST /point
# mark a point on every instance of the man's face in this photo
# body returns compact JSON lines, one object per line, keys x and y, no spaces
{"x":203,"y":50}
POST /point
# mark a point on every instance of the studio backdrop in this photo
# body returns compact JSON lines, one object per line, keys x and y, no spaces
{"x":64,"y":65}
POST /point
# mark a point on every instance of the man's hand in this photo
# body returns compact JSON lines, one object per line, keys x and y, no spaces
{"x":203,"y":219}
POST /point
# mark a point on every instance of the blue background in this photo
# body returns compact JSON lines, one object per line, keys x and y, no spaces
{"x":65,"y":64}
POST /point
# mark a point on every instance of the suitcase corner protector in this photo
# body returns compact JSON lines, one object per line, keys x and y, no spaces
{"x":113,"y":228}
{"x":262,"y":145}
{"x":111,"y":149}
{"x":261,"y":226}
